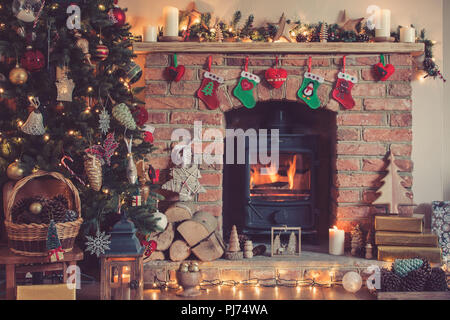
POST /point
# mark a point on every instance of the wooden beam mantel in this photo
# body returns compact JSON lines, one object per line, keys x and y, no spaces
{"x":415,"y":49}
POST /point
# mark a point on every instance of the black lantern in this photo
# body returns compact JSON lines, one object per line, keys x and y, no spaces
{"x":122,"y":276}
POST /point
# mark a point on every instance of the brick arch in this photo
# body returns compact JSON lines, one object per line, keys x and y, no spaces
{"x":381,"y":119}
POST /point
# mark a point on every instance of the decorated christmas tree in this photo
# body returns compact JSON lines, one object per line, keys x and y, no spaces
{"x":67,"y":103}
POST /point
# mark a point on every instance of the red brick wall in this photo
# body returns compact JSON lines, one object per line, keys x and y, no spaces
{"x":380,"y":120}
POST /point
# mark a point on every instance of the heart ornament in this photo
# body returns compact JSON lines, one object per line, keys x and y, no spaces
{"x":384,"y":71}
{"x":276,"y":77}
{"x":246,"y":85}
{"x":176,"y":73}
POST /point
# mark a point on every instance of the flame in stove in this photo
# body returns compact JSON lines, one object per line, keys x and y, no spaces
{"x":291,"y":172}
{"x":273,"y":176}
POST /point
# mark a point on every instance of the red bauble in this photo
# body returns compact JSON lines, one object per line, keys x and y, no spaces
{"x":118,"y":16}
{"x":101,"y":52}
{"x":33,"y":60}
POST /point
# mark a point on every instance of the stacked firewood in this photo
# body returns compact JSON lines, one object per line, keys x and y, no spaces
{"x":187,"y":233}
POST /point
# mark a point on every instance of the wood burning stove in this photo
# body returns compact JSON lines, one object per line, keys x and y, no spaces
{"x":286,"y":195}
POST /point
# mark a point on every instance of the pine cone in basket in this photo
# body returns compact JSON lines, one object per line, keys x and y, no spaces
{"x":415,"y":280}
{"x":27,"y":218}
{"x":390,"y":282}
{"x":62,"y":199}
{"x":70,"y":216}
{"x":53,"y":209}
{"x":437,"y":281}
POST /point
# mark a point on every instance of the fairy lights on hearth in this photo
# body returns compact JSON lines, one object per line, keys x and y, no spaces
{"x":255,"y":283}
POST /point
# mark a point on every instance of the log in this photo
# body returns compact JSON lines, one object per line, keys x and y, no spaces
{"x":164,"y":239}
{"x":209,"y":249}
{"x":198,"y":228}
{"x":178,"y":212}
{"x":155,"y":256}
{"x":179,"y":251}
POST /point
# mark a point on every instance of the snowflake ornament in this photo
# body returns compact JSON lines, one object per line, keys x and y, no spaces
{"x":104,"y":120}
{"x":99,"y":244}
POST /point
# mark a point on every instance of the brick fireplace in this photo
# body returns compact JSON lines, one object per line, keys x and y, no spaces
{"x":381,"y":120}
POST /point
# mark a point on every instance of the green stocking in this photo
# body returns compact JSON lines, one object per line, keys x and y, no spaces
{"x":308,"y":90}
{"x":244,"y":90}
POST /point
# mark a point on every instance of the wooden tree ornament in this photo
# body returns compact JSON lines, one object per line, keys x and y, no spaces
{"x":234,"y":250}
{"x":392,"y":192}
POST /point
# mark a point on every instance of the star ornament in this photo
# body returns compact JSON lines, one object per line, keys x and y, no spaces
{"x":346,"y":24}
{"x":193,"y":16}
{"x":284,"y":29}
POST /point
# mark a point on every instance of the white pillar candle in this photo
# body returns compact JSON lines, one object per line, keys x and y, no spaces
{"x":170,"y":21}
{"x":383,"y":25}
{"x":336,"y":241}
{"x":407,"y":34}
{"x":150,"y":34}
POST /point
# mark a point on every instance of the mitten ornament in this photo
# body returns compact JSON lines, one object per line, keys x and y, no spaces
{"x":208,"y":89}
{"x":383,"y":70}
{"x":244,"y":91}
{"x":343,"y":90}
{"x":308,"y":90}
{"x":176,"y":72}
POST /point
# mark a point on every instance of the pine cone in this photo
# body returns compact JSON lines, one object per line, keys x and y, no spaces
{"x":415,"y":280}
{"x":426,"y":267}
{"x":20,"y":211}
{"x":403,"y":267}
{"x":70,"y":216}
{"x":357,"y":241}
{"x":122,"y":113}
{"x":53,"y":209}
{"x":242,"y":239}
{"x":390,"y":282}
{"x":437,"y":281}
{"x":62,"y":199}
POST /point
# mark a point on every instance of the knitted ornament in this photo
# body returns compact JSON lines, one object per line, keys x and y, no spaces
{"x":390,"y":282}
{"x":122,"y":113}
{"x":343,"y":90}
{"x":244,"y":91}
{"x":383,"y":70}
{"x":175,"y":72}
{"x":208,"y":89}
{"x":357,"y":240}
{"x":93,"y":169}
{"x":33,"y":60}
{"x":437,"y":281}
{"x":403,"y":267}
{"x":310,"y":85}
{"x":276,"y":76}
{"x":415,"y":280}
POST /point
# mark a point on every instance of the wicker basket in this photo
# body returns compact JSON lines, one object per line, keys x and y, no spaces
{"x":31,"y":239}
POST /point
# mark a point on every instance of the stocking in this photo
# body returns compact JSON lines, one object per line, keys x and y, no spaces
{"x":244,"y":90}
{"x":343,"y":90}
{"x":208,"y":90}
{"x":308,"y":90}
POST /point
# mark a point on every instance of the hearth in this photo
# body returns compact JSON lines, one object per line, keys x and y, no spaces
{"x":286,"y":195}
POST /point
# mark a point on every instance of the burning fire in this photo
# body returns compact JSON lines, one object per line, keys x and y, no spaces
{"x":273,"y":176}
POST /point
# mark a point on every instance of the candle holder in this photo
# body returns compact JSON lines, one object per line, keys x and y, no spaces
{"x":190,"y":282}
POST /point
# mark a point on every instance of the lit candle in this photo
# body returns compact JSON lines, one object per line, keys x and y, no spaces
{"x":150,"y":34}
{"x":407,"y":34}
{"x":170,"y":21}
{"x":336,"y":241}
{"x":383,"y":26}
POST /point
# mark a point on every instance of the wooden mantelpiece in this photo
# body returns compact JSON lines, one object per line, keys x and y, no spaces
{"x":415,"y":49}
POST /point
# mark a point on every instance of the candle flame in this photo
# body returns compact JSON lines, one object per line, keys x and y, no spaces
{"x":335,"y":228}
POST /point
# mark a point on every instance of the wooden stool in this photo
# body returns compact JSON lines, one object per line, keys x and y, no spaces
{"x":22,"y":264}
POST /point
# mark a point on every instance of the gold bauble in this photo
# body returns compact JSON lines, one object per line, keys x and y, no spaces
{"x":15,"y":171}
{"x":18,"y":75}
{"x":35,"y":208}
{"x":101,"y":7}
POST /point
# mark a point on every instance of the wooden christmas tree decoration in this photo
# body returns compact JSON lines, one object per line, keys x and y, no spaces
{"x":234,"y":250}
{"x":357,"y":240}
{"x":392,"y":192}
{"x":324,"y":32}
{"x":292,"y":244}
{"x":276,"y":246}
{"x":369,"y":244}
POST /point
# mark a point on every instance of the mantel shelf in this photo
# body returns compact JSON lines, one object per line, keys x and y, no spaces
{"x":415,"y":49}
